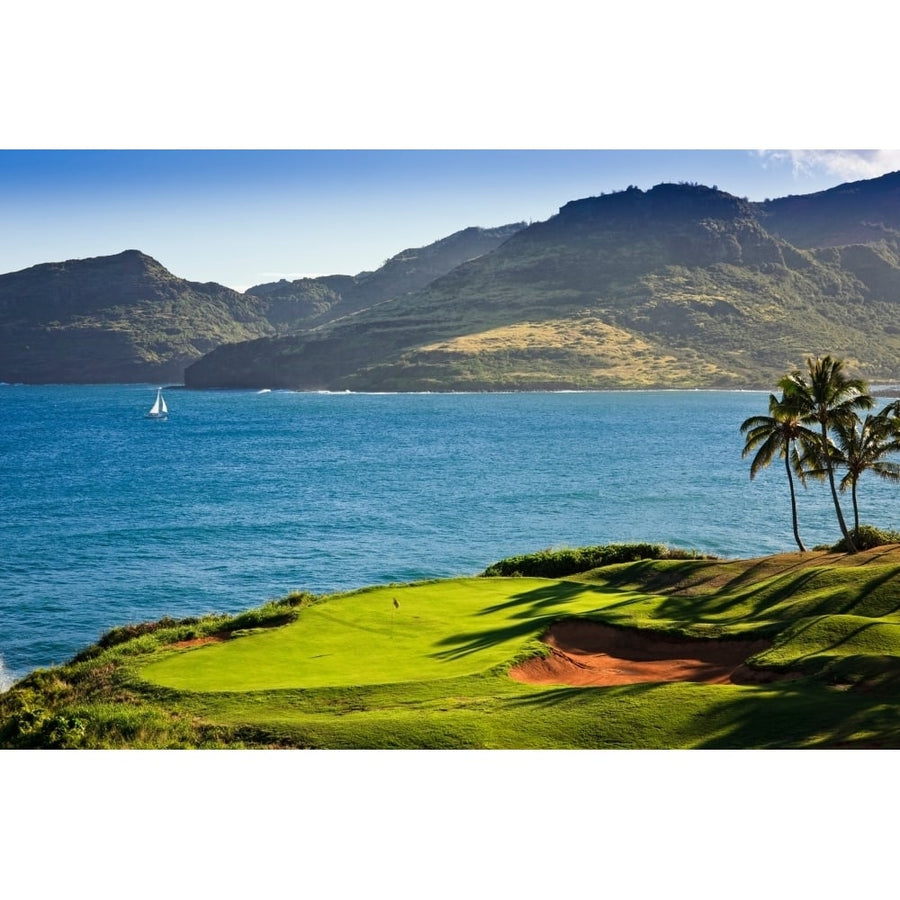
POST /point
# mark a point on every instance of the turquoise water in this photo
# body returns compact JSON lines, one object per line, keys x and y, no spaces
{"x":109,"y":518}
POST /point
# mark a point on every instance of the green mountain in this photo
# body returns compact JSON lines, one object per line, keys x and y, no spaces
{"x":125,"y":318}
{"x":861,"y":212}
{"x":121,"y":318}
{"x":307,"y":302}
{"x":679,"y":286}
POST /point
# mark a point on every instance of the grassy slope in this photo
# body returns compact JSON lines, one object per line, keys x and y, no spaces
{"x":353,"y":671}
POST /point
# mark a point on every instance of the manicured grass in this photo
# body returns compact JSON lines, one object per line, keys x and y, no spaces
{"x":497,"y":713}
{"x":437,"y":630}
{"x":823,"y":638}
{"x":356,"y":671}
{"x":755,"y":597}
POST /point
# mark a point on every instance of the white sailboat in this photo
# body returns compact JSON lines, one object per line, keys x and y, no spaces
{"x":159,"y":410}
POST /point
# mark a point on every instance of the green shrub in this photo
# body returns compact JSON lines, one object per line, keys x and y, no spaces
{"x":298,"y":598}
{"x":29,"y":724}
{"x":270,"y":615}
{"x":867,"y":537}
{"x":680,"y":553}
{"x":127,"y":632}
{"x":551,"y":563}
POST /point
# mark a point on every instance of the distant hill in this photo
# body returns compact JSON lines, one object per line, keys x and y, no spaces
{"x":860,"y":212}
{"x":682,"y":285}
{"x":125,"y":318}
{"x":306,"y":302}
{"x":121,"y":318}
{"x":679,"y":286}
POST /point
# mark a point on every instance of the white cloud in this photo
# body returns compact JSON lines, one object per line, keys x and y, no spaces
{"x":849,"y":165}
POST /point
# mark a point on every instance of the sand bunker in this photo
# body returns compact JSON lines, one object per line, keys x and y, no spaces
{"x":587,"y":653}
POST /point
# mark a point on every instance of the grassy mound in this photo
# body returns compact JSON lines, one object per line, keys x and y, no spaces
{"x":426,"y":665}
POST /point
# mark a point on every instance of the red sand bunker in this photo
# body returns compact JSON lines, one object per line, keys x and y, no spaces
{"x":587,"y":653}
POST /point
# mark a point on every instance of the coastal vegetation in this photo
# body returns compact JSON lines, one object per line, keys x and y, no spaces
{"x":816,"y":429}
{"x":556,"y":563}
{"x":451,"y":664}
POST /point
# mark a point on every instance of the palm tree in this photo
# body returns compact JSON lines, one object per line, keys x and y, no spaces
{"x":827,"y":397}
{"x":863,"y":446}
{"x":780,"y":432}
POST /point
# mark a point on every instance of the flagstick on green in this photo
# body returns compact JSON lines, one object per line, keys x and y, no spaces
{"x":393,"y":611}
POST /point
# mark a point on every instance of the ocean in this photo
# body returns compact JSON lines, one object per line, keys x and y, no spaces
{"x":109,"y":518}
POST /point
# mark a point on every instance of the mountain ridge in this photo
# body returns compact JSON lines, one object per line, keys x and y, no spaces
{"x":126,"y":318}
{"x":677,"y":286}
{"x":332,"y":296}
{"x":114,"y":318}
{"x":680,"y":285}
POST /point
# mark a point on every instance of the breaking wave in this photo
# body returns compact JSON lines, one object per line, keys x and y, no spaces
{"x":6,"y":677}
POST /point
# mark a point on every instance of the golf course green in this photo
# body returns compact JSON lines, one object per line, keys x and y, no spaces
{"x":411,"y":633}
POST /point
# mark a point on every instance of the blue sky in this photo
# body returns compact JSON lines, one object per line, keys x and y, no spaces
{"x":350,"y":132}
{"x":241,"y":217}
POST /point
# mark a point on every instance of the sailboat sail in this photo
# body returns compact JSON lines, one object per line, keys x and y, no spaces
{"x":159,"y":410}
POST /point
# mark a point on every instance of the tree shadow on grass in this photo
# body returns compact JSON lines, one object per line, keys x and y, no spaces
{"x":757,"y":603}
{"x":460,"y":645}
{"x":840,"y":641}
{"x":646,"y":575}
{"x":715,"y":605}
{"x":802,"y":714}
{"x":889,"y":603}
{"x":706,"y":589}
{"x":702,"y":577}
{"x":536,"y":609}
{"x":813,"y":715}
{"x":533,"y":610}
{"x":537,"y":600}
{"x":542,"y":697}
{"x":762,"y":570}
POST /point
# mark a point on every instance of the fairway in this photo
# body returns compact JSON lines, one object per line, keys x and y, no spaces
{"x":384,"y":635}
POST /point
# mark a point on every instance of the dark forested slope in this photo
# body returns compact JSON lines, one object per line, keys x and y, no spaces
{"x":121,"y":318}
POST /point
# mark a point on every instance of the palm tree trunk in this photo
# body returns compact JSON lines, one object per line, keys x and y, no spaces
{"x":855,"y":511}
{"x":851,"y":546}
{"x":787,"y":466}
